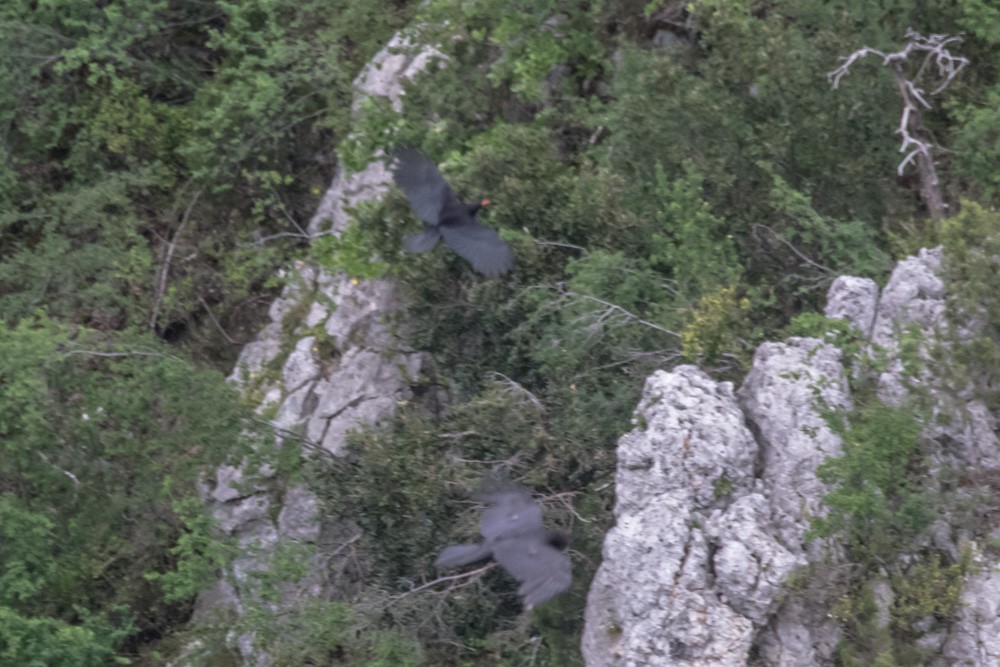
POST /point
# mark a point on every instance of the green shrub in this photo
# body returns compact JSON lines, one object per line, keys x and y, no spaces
{"x":878,"y":505}
{"x":162,"y":158}
{"x":971,"y":245}
{"x":49,"y":642}
{"x":102,"y":440}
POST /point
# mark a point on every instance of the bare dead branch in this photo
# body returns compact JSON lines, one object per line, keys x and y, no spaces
{"x":565,"y":499}
{"x":299,"y":233}
{"x":519,"y":388}
{"x":560,"y":244}
{"x":836,"y":75}
{"x":73,"y":478}
{"x":343,"y":546}
{"x":615,"y":309}
{"x":469,"y":577}
{"x":458,"y":435}
{"x":488,"y":462}
{"x":115,"y":355}
{"x":308,"y":444}
{"x":262,"y":240}
{"x":795,"y":250}
{"x":666,"y":357}
{"x":218,"y":326}
{"x":161,"y":285}
{"x":935,"y":50}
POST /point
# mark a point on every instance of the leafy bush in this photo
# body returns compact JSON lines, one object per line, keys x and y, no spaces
{"x":162,"y":158}
{"x":53,"y":643}
{"x":877,"y":505}
{"x":971,"y":245}
{"x":924,"y":596}
{"x":101,"y":438}
{"x":880,"y":507}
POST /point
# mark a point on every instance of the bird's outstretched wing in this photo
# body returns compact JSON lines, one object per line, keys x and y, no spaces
{"x":542,"y":570}
{"x":480,"y":245}
{"x":423,"y":241}
{"x":423,"y":185}
{"x":458,"y":555}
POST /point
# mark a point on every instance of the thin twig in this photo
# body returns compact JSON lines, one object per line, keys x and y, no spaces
{"x":261,"y":240}
{"x":300,"y":233}
{"x":794,"y":249}
{"x":286,"y":433}
{"x":74,"y":478}
{"x":489,"y":462}
{"x":566,"y":500}
{"x":131,"y":353}
{"x":666,"y":355}
{"x":560,"y":244}
{"x":161,"y":285}
{"x":620,"y":310}
{"x":218,"y":326}
{"x":458,"y":435}
{"x":472,"y":576}
{"x":519,"y":387}
{"x":343,"y":546}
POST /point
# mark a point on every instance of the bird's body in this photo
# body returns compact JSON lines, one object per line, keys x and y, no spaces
{"x":447,"y":218}
{"x":514,"y":537}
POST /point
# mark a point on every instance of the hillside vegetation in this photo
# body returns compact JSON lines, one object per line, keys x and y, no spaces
{"x":679,"y":182}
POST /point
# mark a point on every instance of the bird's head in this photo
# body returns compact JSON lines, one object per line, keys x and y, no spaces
{"x":475,"y":208}
{"x":558,"y":540}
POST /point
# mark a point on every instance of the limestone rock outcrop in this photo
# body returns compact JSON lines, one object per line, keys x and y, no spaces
{"x":711,"y":518}
{"x":330,"y":359}
{"x":697,"y":578}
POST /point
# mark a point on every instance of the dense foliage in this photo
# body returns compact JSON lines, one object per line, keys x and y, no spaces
{"x":678,"y":181}
{"x":103,"y":442}
{"x":160,"y":161}
{"x":163,"y":158}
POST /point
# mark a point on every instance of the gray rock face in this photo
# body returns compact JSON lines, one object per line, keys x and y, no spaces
{"x":914,"y":295}
{"x":915,"y":298}
{"x":782,"y":395}
{"x":692,"y":571}
{"x":353,"y":373}
{"x":855,"y":300}
{"x":327,"y":362}
{"x":965,"y":432}
{"x":692,"y":576}
{"x":650,"y":600}
{"x":384,"y":76}
{"x":974,"y":637}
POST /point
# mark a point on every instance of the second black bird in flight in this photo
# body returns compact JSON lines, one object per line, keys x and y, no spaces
{"x":514,"y":537}
{"x":446,"y":218}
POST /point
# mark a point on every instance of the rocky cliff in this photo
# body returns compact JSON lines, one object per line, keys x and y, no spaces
{"x":716,"y":487}
{"x":330,"y":359}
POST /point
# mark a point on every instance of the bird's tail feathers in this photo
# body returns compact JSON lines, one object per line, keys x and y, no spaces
{"x":462,"y":554}
{"x":423,"y":241}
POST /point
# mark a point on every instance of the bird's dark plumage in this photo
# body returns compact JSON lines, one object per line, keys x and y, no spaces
{"x":514,"y":537}
{"x":433,"y":200}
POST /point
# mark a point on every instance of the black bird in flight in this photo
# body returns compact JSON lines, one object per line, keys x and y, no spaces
{"x":433,"y":200}
{"x":513,"y":536}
